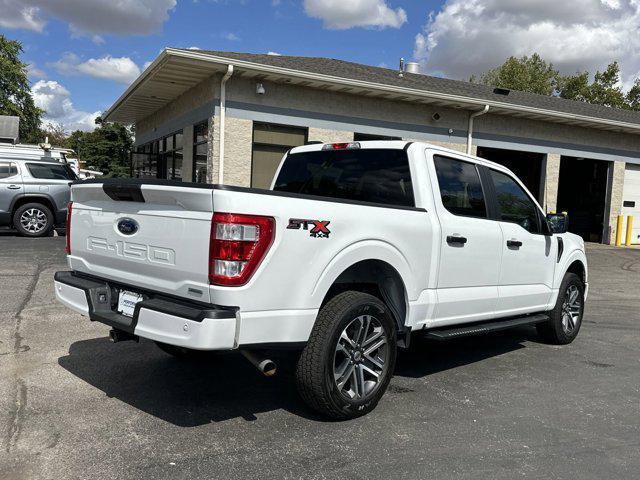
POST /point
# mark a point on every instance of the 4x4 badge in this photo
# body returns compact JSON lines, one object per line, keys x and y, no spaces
{"x":319,"y":228}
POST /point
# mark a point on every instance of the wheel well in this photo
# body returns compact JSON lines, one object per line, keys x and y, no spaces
{"x":577,"y":267}
{"x":24,"y":200}
{"x":376,"y":278}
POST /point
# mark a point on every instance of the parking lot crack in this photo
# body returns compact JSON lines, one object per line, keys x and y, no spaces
{"x":16,"y":414}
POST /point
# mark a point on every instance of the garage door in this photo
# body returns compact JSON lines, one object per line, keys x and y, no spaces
{"x":631,"y":200}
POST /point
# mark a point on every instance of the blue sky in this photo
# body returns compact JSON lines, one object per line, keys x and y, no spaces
{"x":85,"y":52}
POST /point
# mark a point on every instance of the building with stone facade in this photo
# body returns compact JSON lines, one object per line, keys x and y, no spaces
{"x":192,"y":108}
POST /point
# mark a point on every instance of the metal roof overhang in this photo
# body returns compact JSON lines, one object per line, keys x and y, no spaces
{"x":175,"y":71}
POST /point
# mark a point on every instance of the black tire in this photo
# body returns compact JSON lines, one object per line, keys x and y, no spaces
{"x":555,"y":330}
{"x":317,"y":363}
{"x":39,"y":211}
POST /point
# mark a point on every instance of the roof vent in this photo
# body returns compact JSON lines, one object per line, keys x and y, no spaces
{"x":501,"y":91}
{"x":401,"y":72}
{"x":412,"y":67}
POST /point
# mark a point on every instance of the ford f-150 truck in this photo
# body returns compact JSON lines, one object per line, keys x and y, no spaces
{"x":354,"y":247}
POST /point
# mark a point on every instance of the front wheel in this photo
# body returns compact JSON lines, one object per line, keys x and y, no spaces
{"x":347,"y":364}
{"x":566,"y":317}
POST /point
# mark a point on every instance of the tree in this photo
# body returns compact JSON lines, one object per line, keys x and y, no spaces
{"x":525,"y":74}
{"x":106,"y":149}
{"x":605,"y":89}
{"x":633,"y":96}
{"x":15,"y":90}
{"x":533,"y":74}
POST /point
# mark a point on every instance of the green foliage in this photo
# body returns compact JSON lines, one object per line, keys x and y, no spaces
{"x":15,"y":90}
{"x":106,"y":149}
{"x":604,"y":90}
{"x":526,"y":74}
{"x":534,"y":75}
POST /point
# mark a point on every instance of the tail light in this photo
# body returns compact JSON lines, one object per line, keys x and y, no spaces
{"x":238,"y":245}
{"x":68,"y":233}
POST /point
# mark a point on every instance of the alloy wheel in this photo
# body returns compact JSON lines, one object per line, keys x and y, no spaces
{"x":360,"y":359}
{"x":571,"y":308}
{"x":33,"y":220}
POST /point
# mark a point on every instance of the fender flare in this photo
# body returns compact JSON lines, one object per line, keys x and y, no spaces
{"x":361,"y":251}
{"x":35,"y":197}
{"x":567,"y":260}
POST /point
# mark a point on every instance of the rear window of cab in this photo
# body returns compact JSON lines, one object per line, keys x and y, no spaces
{"x":367,"y":175}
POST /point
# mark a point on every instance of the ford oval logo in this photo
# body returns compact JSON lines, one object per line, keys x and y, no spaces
{"x":127,"y":226}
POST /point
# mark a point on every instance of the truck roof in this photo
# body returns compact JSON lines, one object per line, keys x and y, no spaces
{"x":395,"y":144}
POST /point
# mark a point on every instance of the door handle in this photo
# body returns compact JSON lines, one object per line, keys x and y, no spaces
{"x":456,"y":239}
{"x":14,"y":187}
{"x":514,"y":243}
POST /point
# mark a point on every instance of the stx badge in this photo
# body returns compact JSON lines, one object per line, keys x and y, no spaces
{"x":318,"y":227}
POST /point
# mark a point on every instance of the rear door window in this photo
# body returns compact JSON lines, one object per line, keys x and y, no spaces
{"x":367,"y":175}
{"x":460,"y":187}
{"x":8,"y":169}
{"x":53,"y":171}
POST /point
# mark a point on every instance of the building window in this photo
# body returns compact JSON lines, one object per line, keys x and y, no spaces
{"x":270,"y":143}
{"x":159,"y":159}
{"x":362,"y":137}
{"x":200,"y":136}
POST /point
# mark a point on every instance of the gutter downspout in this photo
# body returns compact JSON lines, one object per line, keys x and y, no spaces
{"x":470,"y":127}
{"x":223,"y":102}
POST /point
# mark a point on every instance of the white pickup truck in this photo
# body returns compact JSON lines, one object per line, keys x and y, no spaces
{"x":355,"y":246}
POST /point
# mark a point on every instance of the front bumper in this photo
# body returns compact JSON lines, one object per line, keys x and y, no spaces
{"x":157,"y":317}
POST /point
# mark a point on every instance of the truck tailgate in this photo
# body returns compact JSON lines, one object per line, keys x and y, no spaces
{"x":154,"y":236}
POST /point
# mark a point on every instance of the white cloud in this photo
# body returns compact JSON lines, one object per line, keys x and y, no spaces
{"x":55,"y":100}
{"x":232,"y":37}
{"x":470,"y":36}
{"x":194,"y":48}
{"x":34,"y":72}
{"x":118,"y":69}
{"x":275,"y":54}
{"x":88,"y":17}
{"x":344,"y":14}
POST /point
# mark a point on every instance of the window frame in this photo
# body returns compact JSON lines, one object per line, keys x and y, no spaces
{"x":196,"y":144}
{"x":495,"y":205}
{"x":485,"y":194}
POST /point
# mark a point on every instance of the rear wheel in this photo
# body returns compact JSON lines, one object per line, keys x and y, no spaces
{"x":566,"y":317}
{"x":33,"y":220}
{"x":348,"y":362}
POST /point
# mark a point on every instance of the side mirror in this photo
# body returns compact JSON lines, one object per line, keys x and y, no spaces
{"x":558,"y":222}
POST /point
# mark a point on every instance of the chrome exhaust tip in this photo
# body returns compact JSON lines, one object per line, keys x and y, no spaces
{"x":266,"y":366}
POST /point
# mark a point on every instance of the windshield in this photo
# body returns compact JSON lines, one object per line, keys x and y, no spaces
{"x":368,"y":175}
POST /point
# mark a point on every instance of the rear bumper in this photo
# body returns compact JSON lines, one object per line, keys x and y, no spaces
{"x":157,"y":317}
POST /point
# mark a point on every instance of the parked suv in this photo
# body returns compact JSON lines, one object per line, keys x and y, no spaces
{"x":34,"y":195}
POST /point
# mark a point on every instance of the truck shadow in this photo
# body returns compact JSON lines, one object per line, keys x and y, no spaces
{"x":426,"y":357}
{"x":222,"y":387}
{"x":185,"y":393}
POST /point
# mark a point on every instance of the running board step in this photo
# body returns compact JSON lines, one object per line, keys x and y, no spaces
{"x":448,"y":333}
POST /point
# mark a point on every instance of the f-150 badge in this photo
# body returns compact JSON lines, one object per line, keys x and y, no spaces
{"x":316,"y":228}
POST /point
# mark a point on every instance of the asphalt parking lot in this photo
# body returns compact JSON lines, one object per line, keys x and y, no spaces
{"x":73,"y":405}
